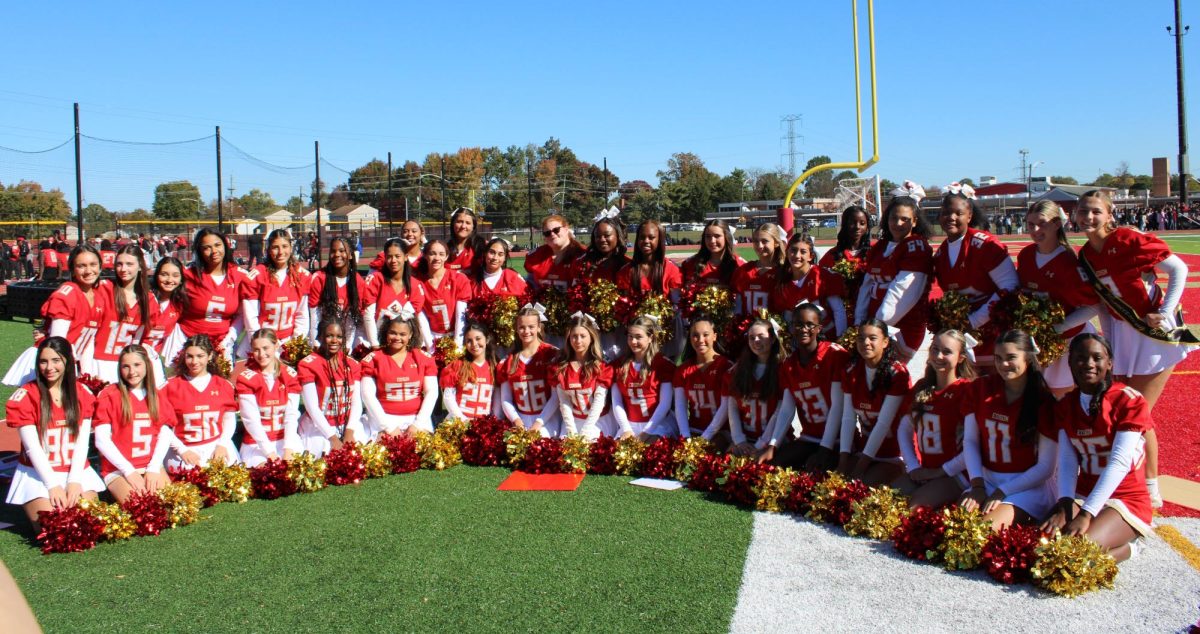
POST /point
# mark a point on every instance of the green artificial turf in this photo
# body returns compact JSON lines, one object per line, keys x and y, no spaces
{"x":15,"y":337}
{"x":429,"y":551}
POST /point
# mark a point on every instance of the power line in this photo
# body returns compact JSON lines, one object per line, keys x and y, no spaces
{"x":92,"y":138}
{"x":11,"y":149}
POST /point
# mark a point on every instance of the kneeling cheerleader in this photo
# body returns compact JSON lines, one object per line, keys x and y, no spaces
{"x":876,"y":386}
{"x":753,"y":390}
{"x":526,"y":396}
{"x":133,"y":428}
{"x":582,"y":380}
{"x":399,"y":383}
{"x":330,"y":392}
{"x":642,"y":394}
{"x":469,"y":384}
{"x":269,"y":401}
{"x":204,"y":405}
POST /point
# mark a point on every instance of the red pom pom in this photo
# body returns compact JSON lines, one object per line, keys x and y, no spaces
{"x":799,"y":499}
{"x":195,"y":475}
{"x":919,"y":534}
{"x":344,"y":466}
{"x":1009,"y":554}
{"x":709,"y":470}
{"x":483,"y":442}
{"x":577,"y":298}
{"x":844,"y":499}
{"x":270,"y":480}
{"x":600,"y":457}
{"x":544,"y":456}
{"x":147,"y":512}
{"x":734,"y":338}
{"x":658,"y":461}
{"x":741,"y":481}
{"x":402,"y":451}
{"x":70,"y":530}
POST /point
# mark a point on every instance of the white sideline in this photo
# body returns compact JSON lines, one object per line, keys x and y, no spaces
{"x":802,"y":576}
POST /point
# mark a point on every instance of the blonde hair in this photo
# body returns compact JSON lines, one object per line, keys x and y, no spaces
{"x":268,"y":334}
{"x":1049,"y":211}
{"x":779,"y":256}
{"x":1105,"y":199}
{"x":625,"y":363}
{"x":148,"y":383}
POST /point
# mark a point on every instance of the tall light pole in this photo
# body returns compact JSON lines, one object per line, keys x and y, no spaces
{"x":1179,"y":31}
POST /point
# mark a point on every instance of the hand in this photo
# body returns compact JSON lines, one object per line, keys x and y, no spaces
{"x":272,"y":456}
{"x":742,"y":449}
{"x":220,"y":453}
{"x":537,"y":424}
{"x":349,"y":436}
{"x":994,"y":500}
{"x":74,"y":493}
{"x":1079,"y":525}
{"x":136,"y":482}
{"x":1155,"y":320}
{"x":766,"y":455}
{"x":287,"y":454}
{"x":624,"y":435}
{"x":155,"y":480}
{"x":860,"y":467}
{"x":925,"y":475}
{"x":1057,"y":519}
{"x":58,"y":497}
{"x":191,"y":458}
{"x":335,"y":443}
{"x":974,"y":498}
{"x":843,"y":464}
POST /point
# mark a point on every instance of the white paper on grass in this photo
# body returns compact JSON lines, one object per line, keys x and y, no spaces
{"x":657,"y":483}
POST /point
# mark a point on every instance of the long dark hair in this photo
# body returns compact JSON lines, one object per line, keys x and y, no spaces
{"x":205,"y":344}
{"x":978,"y":216}
{"x":82,"y":247}
{"x":405,"y":271}
{"x":337,"y":365}
{"x":70,"y":398}
{"x":1035,"y":385}
{"x":479,"y":273}
{"x":920,"y":224}
{"x":293,"y":268}
{"x":203,"y":233}
{"x":474,"y":242}
{"x":885,"y":371}
{"x":466,"y":369}
{"x":728,"y":258}
{"x":657,"y":260}
{"x":1107,"y":381}
{"x":329,"y":298}
{"x":744,"y":381}
{"x":593,"y":253}
{"x":141,"y":290}
{"x":783,"y":274}
{"x":689,"y":353}
{"x":177,"y":296}
{"x":845,"y":235}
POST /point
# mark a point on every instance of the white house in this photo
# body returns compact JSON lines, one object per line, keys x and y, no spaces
{"x":356,"y":216}
{"x":279,"y":219}
{"x":309,"y":220}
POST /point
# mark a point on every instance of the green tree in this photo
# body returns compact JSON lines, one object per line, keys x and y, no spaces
{"x":368,"y":183}
{"x":688,"y":188}
{"x":97,"y":219}
{"x":295,"y":205}
{"x":821,"y":184}
{"x":177,"y":200}
{"x":1063,"y":180}
{"x":733,"y":187}
{"x":257,"y":204}
{"x":886,"y":186}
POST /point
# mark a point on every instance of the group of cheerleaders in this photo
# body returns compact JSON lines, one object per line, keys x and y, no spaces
{"x":1069,"y":445}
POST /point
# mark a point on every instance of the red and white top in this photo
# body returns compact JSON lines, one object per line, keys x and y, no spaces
{"x":672,"y":280}
{"x":510,"y":283}
{"x":980,"y":252}
{"x":162,"y":323}
{"x":108,"y":259}
{"x":387,"y":298}
{"x":1061,"y":279}
{"x":1125,"y":264}
{"x":640,"y":394}
{"x":334,"y":382}
{"x":135,"y":439}
{"x":544,"y":271}
{"x":868,"y":407}
{"x":199,"y":413}
{"x":811,"y":385}
{"x":753,"y":286}
{"x":583,"y":270}
{"x":69,"y":302}
{"x":462,"y":261}
{"x":911,"y":254}
{"x":441,"y":300}
{"x":115,"y":333}
{"x":24,"y":408}
{"x":272,"y":401}
{"x":399,"y":385}
{"x":211,"y":307}
{"x":278,"y":302}
{"x":695,"y":271}
{"x":938,"y":433}
{"x":704,"y":388}
{"x":528,"y":380}
{"x":816,"y":287}
{"x":997,"y":420}
{"x":755,"y":408}
{"x":474,"y":398}
{"x":317,"y":286}
{"x":580,"y":392}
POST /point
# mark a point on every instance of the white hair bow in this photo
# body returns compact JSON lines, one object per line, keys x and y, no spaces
{"x":910,"y":189}
{"x":653,"y":318}
{"x":607,"y":214}
{"x":406,"y":311}
{"x":775,"y":329}
{"x":541,"y":310}
{"x":961,"y":188}
{"x":971,"y":343}
{"x":1036,"y":349}
{"x":579,"y":314}
{"x":815,"y":306}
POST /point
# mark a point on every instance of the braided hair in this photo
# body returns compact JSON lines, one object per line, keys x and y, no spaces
{"x":336,"y":366}
{"x":329,"y":296}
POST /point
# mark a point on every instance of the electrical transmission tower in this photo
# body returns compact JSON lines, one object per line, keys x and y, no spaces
{"x":791,"y":153}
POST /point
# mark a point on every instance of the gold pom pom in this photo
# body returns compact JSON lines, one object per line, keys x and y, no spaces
{"x":773,"y":489}
{"x":452,"y":429}
{"x":575,"y":453}
{"x":232,"y":482}
{"x":628,"y":456}
{"x":182,"y":502}
{"x":878,"y":514}
{"x":504,"y":317}
{"x":447,"y":350}
{"x":1071,"y":566}
{"x":307,"y":472}
{"x":438,"y":451}
{"x":375,"y":459}
{"x":966,"y":533}
{"x":688,"y":456}
{"x":951,"y":310}
{"x":602,"y":303}
{"x":517,"y":441}
{"x":824,"y":497}
{"x":295,"y":349}
{"x":660,"y":307}
{"x":118,"y":523}
{"x":849,"y":338}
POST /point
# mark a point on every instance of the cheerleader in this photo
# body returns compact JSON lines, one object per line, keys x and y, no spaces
{"x":53,"y":415}
{"x":753,"y":282}
{"x":874,"y":390}
{"x":853,"y":238}
{"x":399,"y":381}
{"x":642,"y":394}
{"x":1143,"y":324}
{"x":715,"y":262}
{"x":412,"y":239}
{"x":331,"y":393}
{"x":133,"y":428}
{"x":170,"y":294}
{"x":494,"y":277}
{"x":1009,"y":437}
{"x":802,"y":281}
{"x":73,"y":311}
{"x":1049,"y":268}
{"x":700,"y":406}
{"x":933,"y":425}
{"x":752,"y":392}
{"x":526,"y":397}
{"x":276,"y":292}
{"x":812,"y":379}
{"x":1101,"y":487}
{"x":469,"y":384}
{"x":582,"y":380}
{"x":338,"y":291}
{"x":447,"y":292}
{"x":550,"y":264}
{"x":204,"y":407}
{"x":128,"y":309}
{"x":269,"y":402}
{"x":213,"y":307}
{"x":390,"y":290}
{"x":466,"y":245}
{"x":895,"y":289}
{"x":972,"y":262}
{"x":605,"y":254}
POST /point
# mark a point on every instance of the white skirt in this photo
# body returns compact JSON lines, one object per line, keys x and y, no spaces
{"x":394,"y":425}
{"x":606,"y":425}
{"x":1058,"y":374}
{"x":23,"y":370}
{"x":205,"y":451}
{"x":550,"y":428}
{"x":253,"y":455}
{"x":27,"y":485}
{"x":1135,"y":354}
{"x":1036,"y":501}
{"x":172,"y":344}
{"x":318,"y":445}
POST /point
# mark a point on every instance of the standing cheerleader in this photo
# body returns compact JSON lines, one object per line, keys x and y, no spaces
{"x":170,"y":295}
{"x":338,"y":291}
{"x":276,"y":292}
{"x":412,"y":239}
{"x":74,"y":312}
{"x":205,"y":408}
{"x":53,"y":415}
{"x":700,"y":406}
{"x":753,"y":391}
{"x":128,"y":309}
{"x":643,"y":394}
{"x":495,"y":277}
{"x":933,"y":425}
{"x":331,"y":393}
{"x":526,"y":396}
{"x":753,"y":282}
{"x":1009,"y":437}
{"x":446,"y":295}
{"x":1101,"y":483}
{"x":1049,"y":268}
{"x":582,"y":381}
{"x":133,"y":428}
{"x":269,"y":402}
{"x":651,"y":273}
{"x":213,"y":306}
{"x":716,"y":260}
{"x":812,"y":390}
{"x":972,"y":262}
{"x":550,"y":264}
{"x":895,"y":290}
{"x":875,"y":388}
{"x":853,"y":238}
{"x":1142,"y":323}
{"x":605,"y":254}
{"x":802,"y":281}
{"x":466,"y":245}
{"x":399,"y":381}
{"x":390,"y":290}
{"x":469,"y":384}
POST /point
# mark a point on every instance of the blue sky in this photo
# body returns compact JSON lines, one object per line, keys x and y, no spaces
{"x":962,"y":87}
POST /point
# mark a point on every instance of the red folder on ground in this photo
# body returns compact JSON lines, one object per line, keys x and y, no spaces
{"x":521,"y":481}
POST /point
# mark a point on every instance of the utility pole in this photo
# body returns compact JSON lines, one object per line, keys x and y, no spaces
{"x":317,"y":194}
{"x":604,"y":207}
{"x":444,"y":227}
{"x":78,"y":182}
{"x":529,"y":196}
{"x":391,"y":209}
{"x":230,"y":192}
{"x":791,"y":120}
{"x":220,"y":201}
{"x":1025,"y":174}
{"x":1184,"y":169}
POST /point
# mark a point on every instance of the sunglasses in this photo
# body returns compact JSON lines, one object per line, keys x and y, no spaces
{"x":551,"y":232}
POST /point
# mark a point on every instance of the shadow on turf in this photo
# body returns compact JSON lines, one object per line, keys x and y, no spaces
{"x":15,"y":515}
